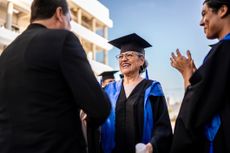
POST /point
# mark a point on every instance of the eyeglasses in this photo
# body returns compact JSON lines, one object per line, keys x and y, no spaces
{"x":128,"y":55}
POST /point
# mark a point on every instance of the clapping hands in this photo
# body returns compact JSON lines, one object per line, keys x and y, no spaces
{"x":185,"y":65}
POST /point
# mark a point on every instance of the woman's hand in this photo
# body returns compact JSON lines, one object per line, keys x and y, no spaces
{"x":149,"y":148}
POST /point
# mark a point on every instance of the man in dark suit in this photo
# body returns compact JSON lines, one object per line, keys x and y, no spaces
{"x":202,"y":125}
{"x":45,"y":79}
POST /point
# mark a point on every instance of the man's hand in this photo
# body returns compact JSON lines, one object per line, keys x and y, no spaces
{"x":184,"y":65}
{"x":83,"y":116}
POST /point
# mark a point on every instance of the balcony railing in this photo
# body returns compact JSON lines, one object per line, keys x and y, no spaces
{"x":90,"y":36}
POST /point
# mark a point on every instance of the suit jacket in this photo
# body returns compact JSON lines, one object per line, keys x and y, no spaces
{"x":207,"y":96}
{"x":45,"y":79}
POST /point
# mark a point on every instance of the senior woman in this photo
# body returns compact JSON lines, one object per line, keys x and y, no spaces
{"x":139,"y":113}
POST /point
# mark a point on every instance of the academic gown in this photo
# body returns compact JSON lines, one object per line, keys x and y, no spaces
{"x":130,"y":119}
{"x":93,"y":140}
{"x":207,"y":96}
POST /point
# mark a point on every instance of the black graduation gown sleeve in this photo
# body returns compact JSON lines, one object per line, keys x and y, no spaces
{"x":93,"y":138}
{"x":207,"y":96}
{"x":162,"y":138}
{"x":83,"y":83}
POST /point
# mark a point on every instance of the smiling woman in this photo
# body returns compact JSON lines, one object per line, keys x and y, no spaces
{"x":132,"y":48}
{"x":139,"y":113}
{"x":166,"y":25}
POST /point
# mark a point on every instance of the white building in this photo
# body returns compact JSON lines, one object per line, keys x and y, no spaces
{"x":90,"y":23}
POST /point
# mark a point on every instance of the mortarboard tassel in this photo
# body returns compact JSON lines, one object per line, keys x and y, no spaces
{"x":146,"y":74}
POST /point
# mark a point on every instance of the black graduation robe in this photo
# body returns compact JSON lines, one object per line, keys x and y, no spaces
{"x":207,"y":96}
{"x":129,"y":121}
{"x":93,"y":137}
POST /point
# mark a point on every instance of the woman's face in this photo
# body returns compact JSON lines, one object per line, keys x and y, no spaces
{"x":130,"y":62}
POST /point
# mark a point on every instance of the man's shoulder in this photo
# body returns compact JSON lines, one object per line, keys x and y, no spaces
{"x":54,"y":35}
{"x":223,"y":49}
{"x":57,"y":33}
{"x":226,"y":43}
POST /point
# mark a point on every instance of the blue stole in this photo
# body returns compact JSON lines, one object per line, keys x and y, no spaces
{"x":108,"y":128}
{"x":227,"y":37}
{"x":212,"y":128}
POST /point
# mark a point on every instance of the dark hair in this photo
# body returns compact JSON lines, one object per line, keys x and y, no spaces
{"x":143,"y":67}
{"x":44,"y":9}
{"x":215,"y":5}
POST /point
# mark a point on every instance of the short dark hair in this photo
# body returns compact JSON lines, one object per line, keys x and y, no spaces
{"x":215,"y":5}
{"x":44,"y":9}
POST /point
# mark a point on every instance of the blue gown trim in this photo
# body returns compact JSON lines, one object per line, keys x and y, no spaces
{"x":211,"y":131}
{"x":146,"y":74}
{"x":227,"y":37}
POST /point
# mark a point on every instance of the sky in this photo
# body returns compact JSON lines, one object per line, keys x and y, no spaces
{"x":167,"y":25}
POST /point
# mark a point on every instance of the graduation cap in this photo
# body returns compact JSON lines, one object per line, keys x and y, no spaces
{"x":131,"y":42}
{"x":107,"y":75}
